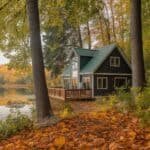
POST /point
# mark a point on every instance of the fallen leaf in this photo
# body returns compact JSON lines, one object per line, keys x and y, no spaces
{"x":59,"y":141}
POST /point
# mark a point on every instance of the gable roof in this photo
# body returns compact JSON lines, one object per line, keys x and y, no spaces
{"x":85,"y":52}
{"x":98,"y":58}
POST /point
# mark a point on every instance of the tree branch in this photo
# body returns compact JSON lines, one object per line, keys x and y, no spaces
{"x":2,"y":7}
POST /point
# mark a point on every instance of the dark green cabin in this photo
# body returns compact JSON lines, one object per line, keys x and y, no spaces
{"x":102,"y":70}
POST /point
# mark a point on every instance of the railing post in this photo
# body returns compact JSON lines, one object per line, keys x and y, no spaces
{"x":64,"y":94}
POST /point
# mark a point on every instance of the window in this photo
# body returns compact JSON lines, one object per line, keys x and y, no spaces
{"x":86,"y":82}
{"x":75,"y":67}
{"x":120,"y":82}
{"x":75,"y":63}
{"x":115,"y":61}
{"x":102,"y":83}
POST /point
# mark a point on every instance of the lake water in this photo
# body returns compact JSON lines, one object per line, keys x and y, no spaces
{"x":20,"y":98}
{"x":9,"y":99}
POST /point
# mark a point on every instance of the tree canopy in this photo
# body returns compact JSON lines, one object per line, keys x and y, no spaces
{"x":66,"y":24}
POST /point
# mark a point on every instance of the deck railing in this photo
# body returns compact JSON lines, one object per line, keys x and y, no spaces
{"x":70,"y":94}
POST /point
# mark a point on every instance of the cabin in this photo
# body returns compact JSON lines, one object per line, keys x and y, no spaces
{"x":96,"y":72}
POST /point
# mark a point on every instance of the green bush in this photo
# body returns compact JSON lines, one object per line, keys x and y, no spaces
{"x":13,"y":124}
{"x":142,"y":103}
{"x":67,"y":110}
{"x":123,"y":101}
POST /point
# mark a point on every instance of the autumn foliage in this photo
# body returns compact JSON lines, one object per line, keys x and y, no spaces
{"x":97,"y":131}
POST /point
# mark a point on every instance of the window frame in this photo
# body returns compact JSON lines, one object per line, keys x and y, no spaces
{"x":102,"y":87}
{"x":114,"y":58}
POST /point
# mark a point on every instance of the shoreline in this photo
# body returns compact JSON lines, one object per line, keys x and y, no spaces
{"x":16,"y":86}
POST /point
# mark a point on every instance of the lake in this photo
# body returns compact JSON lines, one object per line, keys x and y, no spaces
{"x":23,"y":100}
{"x":12,"y":98}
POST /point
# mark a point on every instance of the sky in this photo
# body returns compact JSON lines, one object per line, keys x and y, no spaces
{"x":3,"y":60}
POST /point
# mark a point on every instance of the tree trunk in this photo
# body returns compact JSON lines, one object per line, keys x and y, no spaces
{"x":89,"y":35}
{"x":101,"y":28}
{"x":113,"y":20}
{"x":80,"y":37}
{"x":107,"y":24}
{"x":43,"y":106}
{"x":138,"y":71}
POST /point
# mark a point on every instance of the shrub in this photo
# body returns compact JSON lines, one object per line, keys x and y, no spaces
{"x":13,"y":124}
{"x":123,"y":101}
{"x":142,"y":102}
{"x":67,"y":110}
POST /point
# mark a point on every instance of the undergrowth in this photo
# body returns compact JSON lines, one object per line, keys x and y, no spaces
{"x":123,"y":101}
{"x":14,"y":123}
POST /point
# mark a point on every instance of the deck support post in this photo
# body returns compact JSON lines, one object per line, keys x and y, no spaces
{"x":92,"y":85}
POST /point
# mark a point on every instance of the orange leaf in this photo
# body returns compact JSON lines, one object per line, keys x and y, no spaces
{"x":60,"y":141}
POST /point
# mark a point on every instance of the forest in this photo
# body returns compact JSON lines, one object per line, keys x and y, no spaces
{"x":37,"y":37}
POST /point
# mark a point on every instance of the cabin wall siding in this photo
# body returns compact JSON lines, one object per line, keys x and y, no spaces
{"x":100,"y":92}
{"x":106,"y":68}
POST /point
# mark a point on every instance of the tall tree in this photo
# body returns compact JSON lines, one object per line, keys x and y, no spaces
{"x":137,"y":59}
{"x":43,"y":106}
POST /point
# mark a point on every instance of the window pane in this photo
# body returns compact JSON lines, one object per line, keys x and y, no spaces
{"x":100,"y":83}
{"x":117,"y":61}
{"x":104,"y":82}
{"x":112,"y":61}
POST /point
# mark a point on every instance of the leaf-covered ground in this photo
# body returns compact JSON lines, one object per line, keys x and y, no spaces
{"x":88,"y":131}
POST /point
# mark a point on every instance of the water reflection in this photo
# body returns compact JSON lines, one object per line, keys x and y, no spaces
{"x":17,"y":91}
{"x":15,"y":98}
{"x":9,"y":96}
{"x":24,"y":91}
{"x":2,"y":91}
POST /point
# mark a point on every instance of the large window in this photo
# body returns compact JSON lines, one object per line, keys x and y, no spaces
{"x":102,"y":83}
{"x":75,"y":63}
{"x":115,"y":61}
{"x":75,"y":67}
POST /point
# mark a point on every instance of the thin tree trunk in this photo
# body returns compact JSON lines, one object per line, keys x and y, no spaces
{"x":89,"y":35}
{"x":138,"y":71}
{"x":80,"y":37}
{"x":101,"y":29}
{"x":113,"y":20}
{"x":43,"y":106}
{"x":107,"y":25}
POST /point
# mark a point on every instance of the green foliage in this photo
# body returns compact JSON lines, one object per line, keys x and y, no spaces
{"x":123,"y":101}
{"x":60,"y":21}
{"x":13,"y":124}
{"x":67,"y":110}
{"x":143,"y":106}
{"x":57,"y":44}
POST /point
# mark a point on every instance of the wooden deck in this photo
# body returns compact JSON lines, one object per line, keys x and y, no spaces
{"x":70,"y":94}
